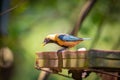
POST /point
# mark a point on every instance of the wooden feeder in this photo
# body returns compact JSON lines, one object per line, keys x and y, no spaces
{"x":103,"y":61}
{"x":79,"y":59}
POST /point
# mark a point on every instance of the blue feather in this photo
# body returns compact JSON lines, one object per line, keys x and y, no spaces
{"x":66,"y":37}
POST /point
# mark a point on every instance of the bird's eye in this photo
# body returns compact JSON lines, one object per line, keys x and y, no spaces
{"x":46,"y":40}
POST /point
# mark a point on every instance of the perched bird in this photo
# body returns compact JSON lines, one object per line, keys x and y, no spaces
{"x":63,"y":40}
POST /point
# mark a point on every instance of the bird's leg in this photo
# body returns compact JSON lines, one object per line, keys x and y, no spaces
{"x":59,"y":51}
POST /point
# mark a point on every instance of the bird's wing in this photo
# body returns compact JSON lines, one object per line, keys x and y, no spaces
{"x":66,"y":37}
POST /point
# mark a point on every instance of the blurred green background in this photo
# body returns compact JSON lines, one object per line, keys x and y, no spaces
{"x":32,"y":20}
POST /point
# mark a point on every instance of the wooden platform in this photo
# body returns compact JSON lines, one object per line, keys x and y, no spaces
{"x":99,"y":59}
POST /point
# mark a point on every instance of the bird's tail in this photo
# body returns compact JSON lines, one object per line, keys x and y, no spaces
{"x":86,"y":38}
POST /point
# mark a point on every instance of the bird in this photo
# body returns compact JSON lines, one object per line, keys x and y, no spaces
{"x":64,"y":40}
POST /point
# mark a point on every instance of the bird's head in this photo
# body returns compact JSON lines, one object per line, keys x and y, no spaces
{"x":49,"y":39}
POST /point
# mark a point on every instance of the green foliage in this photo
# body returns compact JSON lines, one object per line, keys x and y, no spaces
{"x":33,"y":20}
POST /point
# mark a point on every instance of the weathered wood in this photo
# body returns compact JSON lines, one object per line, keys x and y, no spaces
{"x":69,"y":59}
{"x":47,"y":59}
{"x":105,"y":59}
{"x":107,"y":63}
{"x":80,"y":59}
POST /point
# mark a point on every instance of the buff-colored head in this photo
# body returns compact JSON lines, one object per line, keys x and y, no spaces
{"x":49,"y":39}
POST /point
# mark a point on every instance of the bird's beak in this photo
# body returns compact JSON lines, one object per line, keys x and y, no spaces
{"x":44,"y":43}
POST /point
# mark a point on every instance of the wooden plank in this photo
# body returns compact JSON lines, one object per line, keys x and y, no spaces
{"x":47,"y":55}
{"x":79,"y":59}
{"x":102,"y":58}
{"x":69,"y":59}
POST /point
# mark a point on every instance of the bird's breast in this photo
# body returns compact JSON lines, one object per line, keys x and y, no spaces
{"x":67,"y":43}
